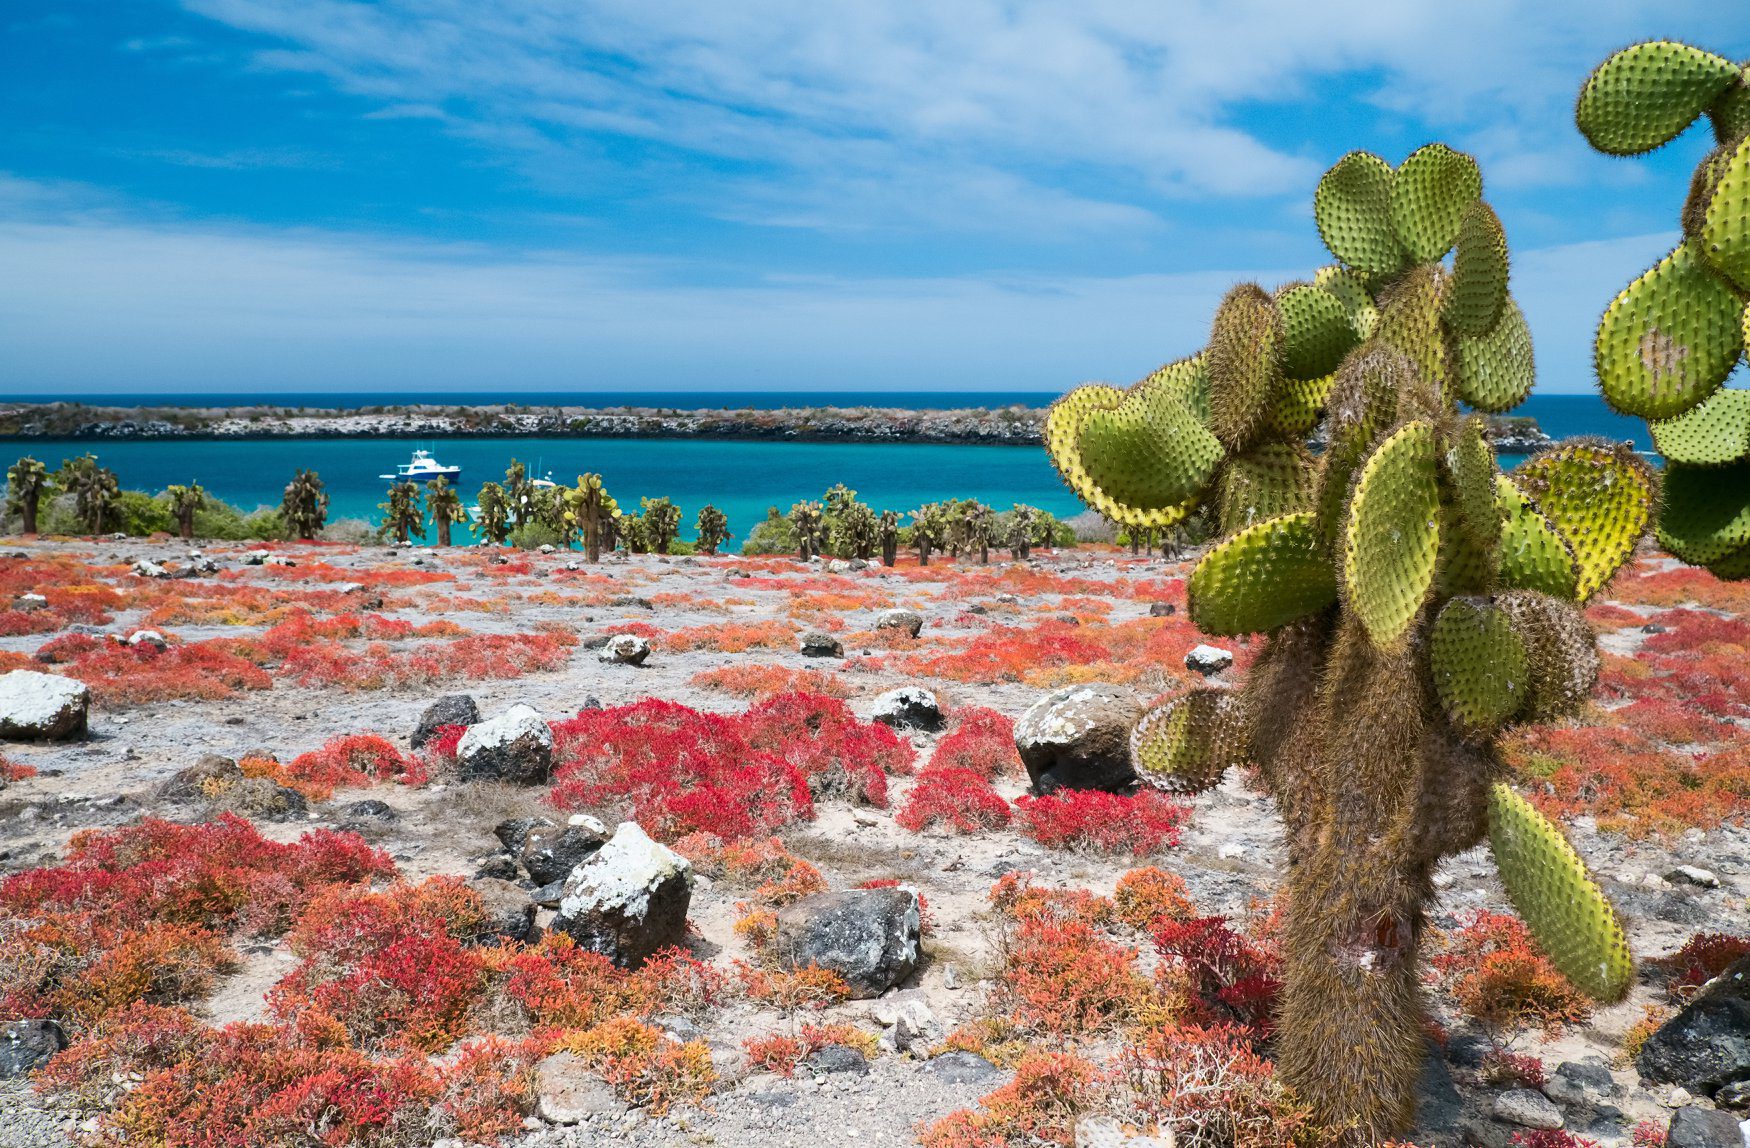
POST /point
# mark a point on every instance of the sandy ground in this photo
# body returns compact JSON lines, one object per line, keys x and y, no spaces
{"x":1231,"y":853}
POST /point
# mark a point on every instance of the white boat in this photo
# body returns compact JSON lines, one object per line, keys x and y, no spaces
{"x":424,"y":467}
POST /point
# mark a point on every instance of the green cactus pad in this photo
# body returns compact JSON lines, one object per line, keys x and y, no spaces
{"x":1244,"y":362}
{"x":1188,"y":741}
{"x":1479,"y":274}
{"x":1184,"y":379}
{"x":1263,"y":578}
{"x":1350,"y":288}
{"x":1467,"y":565}
{"x":1534,"y":555}
{"x":1391,"y":535}
{"x":1571,"y":919}
{"x":1733,"y":567}
{"x":1561,"y":652}
{"x":1062,"y":436}
{"x":1704,"y":515}
{"x":1716,"y":432}
{"x":1670,"y":339}
{"x":1470,"y":466}
{"x":1409,"y":320}
{"x":1316,"y":331}
{"x":1644,"y":96}
{"x":1430,"y":194}
{"x":1363,"y":402}
{"x":1268,"y":481}
{"x":1495,"y":372}
{"x":1731,"y":112}
{"x":1297,"y":405}
{"x":1150,"y":451}
{"x":1479,"y":665}
{"x":1599,"y":496}
{"x":1725,"y":230}
{"x":1353,"y":210}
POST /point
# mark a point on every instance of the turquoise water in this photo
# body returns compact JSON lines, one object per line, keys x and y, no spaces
{"x":740,"y":478}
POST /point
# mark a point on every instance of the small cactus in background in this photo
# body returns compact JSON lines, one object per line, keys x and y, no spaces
{"x":1668,"y":342}
{"x":94,"y":489}
{"x":445,"y":507}
{"x":713,"y":529}
{"x":494,"y":514}
{"x":184,"y":501}
{"x":304,"y":505}
{"x":519,"y":491}
{"x":929,"y":529}
{"x":591,"y":511}
{"x":1025,"y":524}
{"x":887,"y":535}
{"x":809,"y":522}
{"x":972,"y":526}
{"x":26,"y":482}
{"x":1414,"y":601}
{"x":402,"y":513}
{"x":662,"y":522}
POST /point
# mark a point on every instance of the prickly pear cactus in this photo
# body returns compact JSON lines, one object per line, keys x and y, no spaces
{"x":1414,"y":600}
{"x":1668,"y":343}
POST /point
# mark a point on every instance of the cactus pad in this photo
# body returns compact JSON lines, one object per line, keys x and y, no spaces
{"x":1297,"y":405}
{"x":1534,"y":555}
{"x":1430,"y":194}
{"x":1561,"y":652}
{"x":1149,"y":451}
{"x":1062,"y":436}
{"x":1716,"y":432}
{"x":1479,"y":665}
{"x":1644,"y":96}
{"x":1705,"y":515}
{"x":1316,"y":331}
{"x":1350,"y":288}
{"x":1479,"y":274}
{"x":1495,"y":371}
{"x":1409,"y":320}
{"x":1353,"y":210}
{"x":1268,"y":481}
{"x":1470,"y":463}
{"x":1244,"y":362}
{"x":1599,"y":497}
{"x":1731,"y":112}
{"x":1670,"y":339}
{"x":1391,"y":534}
{"x":1262,"y":578}
{"x":1187,"y":742}
{"x":1725,"y":229}
{"x":1571,"y":919}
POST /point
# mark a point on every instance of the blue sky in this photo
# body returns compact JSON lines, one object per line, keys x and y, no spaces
{"x":772,"y":194}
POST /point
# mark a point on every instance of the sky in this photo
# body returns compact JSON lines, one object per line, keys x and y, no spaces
{"x":432,"y":195}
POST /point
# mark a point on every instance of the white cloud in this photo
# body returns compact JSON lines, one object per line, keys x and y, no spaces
{"x":93,"y":301}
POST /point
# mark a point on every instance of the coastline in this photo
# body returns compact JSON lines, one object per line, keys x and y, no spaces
{"x":991,"y":426}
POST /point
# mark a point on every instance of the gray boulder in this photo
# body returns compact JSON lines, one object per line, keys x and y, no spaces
{"x":451,"y":709}
{"x":1078,"y":737}
{"x":1706,"y":1046}
{"x":510,"y":914}
{"x":515,"y":746}
{"x":909,"y":621}
{"x":624,"y":650}
{"x":1695,"y":1127}
{"x":513,"y":832}
{"x":629,"y":899}
{"x":568,"y":1092}
{"x":909,"y":707}
{"x":1527,"y":1109}
{"x":42,"y":707}
{"x":870,"y":937}
{"x":27,"y":1045}
{"x":551,"y":852}
{"x":1208,"y":660}
{"x":816,"y":644}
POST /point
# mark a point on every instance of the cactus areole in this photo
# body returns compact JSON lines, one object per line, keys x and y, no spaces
{"x":1413,"y":601}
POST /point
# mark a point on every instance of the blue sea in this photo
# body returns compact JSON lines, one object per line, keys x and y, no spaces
{"x":741,"y":478}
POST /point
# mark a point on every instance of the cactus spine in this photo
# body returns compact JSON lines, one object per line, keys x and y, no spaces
{"x":1668,"y":341}
{"x":1414,"y":600}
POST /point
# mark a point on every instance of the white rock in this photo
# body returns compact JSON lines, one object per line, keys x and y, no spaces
{"x":517,"y":745}
{"x":1693,"y":875}
{"x":624,"y":649}
{"x":1206,"y":659}
{"x":147,"y":638}
{"x":148,"y":569}
{"x":42,"y":706}
{"x":30,"y":602}
{"x":628,"y":899}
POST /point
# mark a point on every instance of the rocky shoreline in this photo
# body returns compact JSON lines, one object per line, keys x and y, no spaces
{"x":1002,"y":426}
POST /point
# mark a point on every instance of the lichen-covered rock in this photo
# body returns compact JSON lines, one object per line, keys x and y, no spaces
{"x":625,"y":650}
{"x":1695,"y":1127}
{"x":870,"y":937}
{"x":551,"y":852}
{"x":629,"y":899}
{"x":567,"y":1091}
{"x":1707,"y":1045}
{"x":451,"y":709}
{"x":42,"y":707}
{"x":1527,"y":1109}
{"x":1078,"y":737}
{"x":1207,"y":660}
{"x":515,"y":746}
{"x":816,"y":644}
{"x":27,"y":1045}
{"x":909,"y":707}
{"x":908,"y":621}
